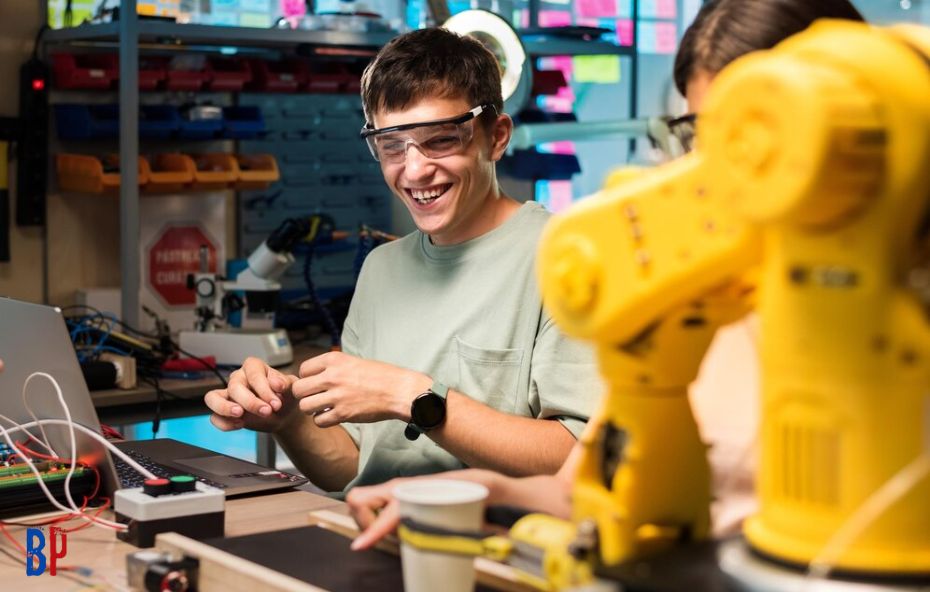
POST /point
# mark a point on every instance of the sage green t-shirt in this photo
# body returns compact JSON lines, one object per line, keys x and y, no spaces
{"x":471,"y":317}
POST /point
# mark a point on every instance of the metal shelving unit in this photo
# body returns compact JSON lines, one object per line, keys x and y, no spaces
{"x":169,"y":35}
{"x":131,"y":35}
{"x":551,"y":45}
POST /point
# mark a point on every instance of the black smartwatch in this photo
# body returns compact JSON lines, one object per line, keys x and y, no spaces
{"x":427,"y":411}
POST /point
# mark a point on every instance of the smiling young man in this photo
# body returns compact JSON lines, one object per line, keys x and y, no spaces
{"x":449,"y":359}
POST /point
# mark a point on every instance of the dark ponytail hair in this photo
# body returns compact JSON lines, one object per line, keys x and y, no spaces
{"x":727,"y":29}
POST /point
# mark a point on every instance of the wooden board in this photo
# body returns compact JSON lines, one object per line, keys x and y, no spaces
{"x":489,"y":573}
{"x":223,"y":572}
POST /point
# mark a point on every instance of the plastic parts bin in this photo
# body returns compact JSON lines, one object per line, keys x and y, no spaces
{"x":158,"y":121}
{"x":86,"y":122}
{"x":228,"y":74}
{"x":214,"y":172}
{"x":170,"y":173}
{"x":152,"y":73}
{"x":256,"y":171}
{"x":185,"y":72}
{"x":328,"y":78}
{"x":244,"y":122}
{"x":200,"y":122}
{"x":91,"y":174}
{"x":92,"y":71}
{"x":280,"y":76}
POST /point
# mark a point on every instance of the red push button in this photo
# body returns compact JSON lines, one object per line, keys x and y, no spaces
{"x":156,"y":487}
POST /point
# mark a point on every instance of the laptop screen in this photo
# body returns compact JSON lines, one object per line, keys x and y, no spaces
{"x":34,"y":338}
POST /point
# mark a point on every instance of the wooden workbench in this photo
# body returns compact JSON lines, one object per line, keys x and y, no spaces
{"x":100,"y":550}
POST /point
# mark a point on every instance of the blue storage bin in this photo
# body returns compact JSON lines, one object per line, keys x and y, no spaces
{"x":158,"y":121}
{"x":199,"y":129}
{"x":243,"y":122}
{"x":86,"y":122}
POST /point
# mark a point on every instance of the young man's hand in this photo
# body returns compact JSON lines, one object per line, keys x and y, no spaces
{"x":335,"y":387}
{"x":257,"y":397}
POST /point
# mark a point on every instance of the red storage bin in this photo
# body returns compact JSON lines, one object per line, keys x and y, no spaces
{"x":152,"y":73}
{"x":327,"y":78}
{"x":353,"y":85}
{"x":281,"y":76}
{"x":186,"y":72}
{"x":228,"y":74}
{"x":96,"y":70}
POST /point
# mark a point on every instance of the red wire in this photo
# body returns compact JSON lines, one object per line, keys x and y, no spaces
{"x":12,"y":540}
{"x":110,"y":432}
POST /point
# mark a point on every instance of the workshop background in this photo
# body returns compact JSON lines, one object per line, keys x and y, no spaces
{"x":623,"y":73}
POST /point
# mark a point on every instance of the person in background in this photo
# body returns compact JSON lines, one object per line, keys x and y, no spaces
{"x":722,"y":31}
{"x":449,"y":359}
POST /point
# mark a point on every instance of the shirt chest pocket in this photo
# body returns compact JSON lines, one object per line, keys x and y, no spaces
{"x":489,"y":375}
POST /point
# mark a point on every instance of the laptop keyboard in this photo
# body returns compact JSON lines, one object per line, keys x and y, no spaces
{"x":129,"y":477}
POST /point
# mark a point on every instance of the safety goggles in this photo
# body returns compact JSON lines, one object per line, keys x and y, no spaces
{"x":683,"y":129}
{"x":434,"y":139}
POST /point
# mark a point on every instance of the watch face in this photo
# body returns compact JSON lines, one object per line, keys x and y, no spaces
{"x":429,"y":409}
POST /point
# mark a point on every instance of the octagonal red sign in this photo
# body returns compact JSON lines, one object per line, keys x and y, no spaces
{"x":174,"y":255}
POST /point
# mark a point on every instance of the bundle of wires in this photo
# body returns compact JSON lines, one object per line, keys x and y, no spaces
{"x":94,"y":332}
{"x":24,"y":454}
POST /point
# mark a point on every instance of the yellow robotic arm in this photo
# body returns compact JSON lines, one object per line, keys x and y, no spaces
{"x":806,"y":199}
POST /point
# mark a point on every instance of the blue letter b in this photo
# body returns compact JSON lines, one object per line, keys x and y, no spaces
{"x":35,"y":560}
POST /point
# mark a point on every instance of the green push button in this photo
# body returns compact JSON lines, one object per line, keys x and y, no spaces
{"x":183,"y":484}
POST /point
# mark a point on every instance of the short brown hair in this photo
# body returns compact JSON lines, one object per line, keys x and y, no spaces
{"x":727,"y":29}
{"x":432,"y":62}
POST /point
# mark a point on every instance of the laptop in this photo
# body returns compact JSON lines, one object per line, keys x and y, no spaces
{"x":35,"y":338}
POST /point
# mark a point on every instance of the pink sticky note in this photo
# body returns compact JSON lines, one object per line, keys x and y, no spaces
{"x":625,"y":32}
{"x":556,"y":104}
{"x":563,"y":147}
{"x":566,"y":93}
{"x":666,"y":38}
{"x":560,"y":195}
{"x":666,"y":9}
{"x":595,"y":8}
{"x":554,"y":18}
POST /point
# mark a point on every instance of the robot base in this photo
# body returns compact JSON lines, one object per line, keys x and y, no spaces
{"x":753,"y":573}
{"x":231,"y":347}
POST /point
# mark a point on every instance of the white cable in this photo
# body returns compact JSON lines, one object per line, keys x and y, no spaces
{"x":129,"y":460}
{"x":46,"y":443}
{"x":72,"y":426}
{"x":48,"y":494}
{"x":67,"y":410}
{"x":31,"y":436}
{"x":870,"y":510}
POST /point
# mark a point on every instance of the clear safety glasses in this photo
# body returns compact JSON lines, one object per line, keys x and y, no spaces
{"x":683,"y":128}
{"x":434,"y":139}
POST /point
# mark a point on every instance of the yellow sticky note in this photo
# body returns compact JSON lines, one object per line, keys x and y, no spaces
{"x":602,"y":69}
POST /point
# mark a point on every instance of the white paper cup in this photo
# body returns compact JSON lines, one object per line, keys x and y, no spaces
{"x":446,"y":503}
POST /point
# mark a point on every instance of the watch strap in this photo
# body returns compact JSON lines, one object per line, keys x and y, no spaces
{"x":440,"y":389}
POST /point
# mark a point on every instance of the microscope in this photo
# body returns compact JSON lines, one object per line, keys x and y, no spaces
{"x":255,"y":295}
